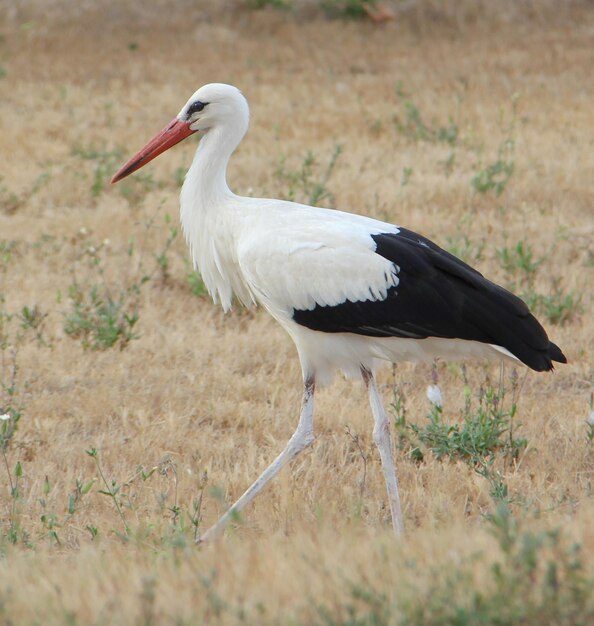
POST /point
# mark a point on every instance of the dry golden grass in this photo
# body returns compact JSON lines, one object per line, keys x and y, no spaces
{"x":200,"y":391}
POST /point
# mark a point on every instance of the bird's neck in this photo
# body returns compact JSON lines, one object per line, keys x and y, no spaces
{"x":208,"y":211}
{"x":206,"y":181}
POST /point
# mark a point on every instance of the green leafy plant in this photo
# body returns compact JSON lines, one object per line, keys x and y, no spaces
{"x":406,"y":174}
{"x":196,"y":284}
{"x":410,"y":124}
{"x":11,"y":399}
{"x":32,"y":319}
{"x":100,"y":320}
{"x":180,"y":175}
{"x":103,"y":315}
{"x":309,"y":183}
{"x":484,"y":435}
{"x":15,"y":530}
{"x":51,"y":521}
{"x":495,"y":176}
{"x":284,"y":5}
{"x":184,"y":521}
{"x":162,"y":258}
{"x":537,"y":577}
{"x":351,"y":9}
{"x":9,"y":418}
{"x":462,"y":247}
{"x":558,"y":307}
{"x":111,"y":488}
{"x":590,"y":420}
{"x":135,"y":188}
{"x":521,"y":266}
{"x":105,"y":164}
{"x":10,"y":201}
{"x":519,"y":259}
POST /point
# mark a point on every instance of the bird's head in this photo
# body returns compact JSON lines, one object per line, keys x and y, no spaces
{"x":212,"y":106}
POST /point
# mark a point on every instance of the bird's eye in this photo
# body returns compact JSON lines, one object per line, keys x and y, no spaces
{"x":195,"y":107}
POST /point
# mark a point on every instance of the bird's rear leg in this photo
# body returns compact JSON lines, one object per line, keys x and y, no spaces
{"x":381,"y":437}
{"x":301,"y":439}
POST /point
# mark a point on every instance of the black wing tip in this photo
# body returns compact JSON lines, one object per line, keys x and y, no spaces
{"x":553,"y":354}
{"x":556,"y":354}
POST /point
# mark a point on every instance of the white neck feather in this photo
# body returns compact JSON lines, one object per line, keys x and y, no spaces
{"x":208,"y":212}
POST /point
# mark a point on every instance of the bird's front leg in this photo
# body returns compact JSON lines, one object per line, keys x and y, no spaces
{"x":301,"y":439}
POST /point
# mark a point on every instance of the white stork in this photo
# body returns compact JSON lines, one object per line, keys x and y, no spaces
{"x":351,"y":291}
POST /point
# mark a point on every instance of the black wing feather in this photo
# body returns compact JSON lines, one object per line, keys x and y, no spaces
{"x":439,"y":296}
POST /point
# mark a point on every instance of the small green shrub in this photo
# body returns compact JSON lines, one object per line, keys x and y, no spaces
{"x":196,"y":284}
{"x":537,"y":578}
{"x":411,"y":124}
{"x":495,"y":176}
{"x":484,"y":435}
{"x":462,"y":247}
{"x":521,"y":265}
{"x":519,"y":260}
{"x":352,"y":9}
{"x":105,"y":165}
{"x":309,"y":183}
{"x":284,"y":5}
{"x":558,"y":307}
{"x":98,"y":319}
{"x":135,"y":188}
{"x":104,"y":315}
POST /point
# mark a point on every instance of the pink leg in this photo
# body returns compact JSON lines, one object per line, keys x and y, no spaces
{"x":381,"y":437}
{"x":301,"y":439}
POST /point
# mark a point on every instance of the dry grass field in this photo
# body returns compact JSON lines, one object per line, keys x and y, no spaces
{"x":137,"y":411}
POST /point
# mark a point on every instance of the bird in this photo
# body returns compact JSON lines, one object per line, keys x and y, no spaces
{"x":351,"y":291}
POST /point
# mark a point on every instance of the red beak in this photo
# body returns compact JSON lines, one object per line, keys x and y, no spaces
{"x":173,"y":133}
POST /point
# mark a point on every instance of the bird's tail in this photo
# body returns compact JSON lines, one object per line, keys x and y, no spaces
{"x":555,"y":354}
